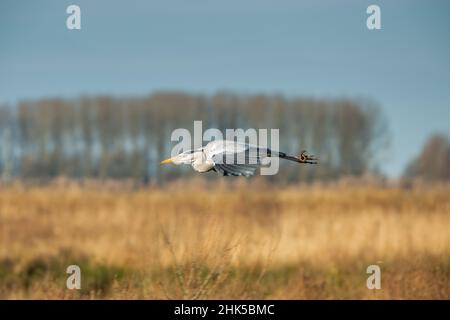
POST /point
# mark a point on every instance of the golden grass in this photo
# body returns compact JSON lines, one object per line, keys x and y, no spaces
{"x":239,"y":240}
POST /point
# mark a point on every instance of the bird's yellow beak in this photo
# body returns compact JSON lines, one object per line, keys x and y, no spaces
{"x":166,"y":161}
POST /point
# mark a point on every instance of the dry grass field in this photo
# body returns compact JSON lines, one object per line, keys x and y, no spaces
{"x":240,"y":240}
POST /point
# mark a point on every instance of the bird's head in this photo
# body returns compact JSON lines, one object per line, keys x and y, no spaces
{"x":186,"y":157}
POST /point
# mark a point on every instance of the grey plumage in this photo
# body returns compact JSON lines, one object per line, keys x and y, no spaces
{"x":230,"y":158}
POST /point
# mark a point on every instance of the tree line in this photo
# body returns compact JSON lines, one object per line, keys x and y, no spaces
{"x":105,"y":137}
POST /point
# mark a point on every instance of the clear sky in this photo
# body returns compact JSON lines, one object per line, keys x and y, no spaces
{"x":297,"y":48}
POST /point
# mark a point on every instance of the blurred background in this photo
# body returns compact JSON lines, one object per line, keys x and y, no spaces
{"x":101,"y":102}
{"x":86,"y":115}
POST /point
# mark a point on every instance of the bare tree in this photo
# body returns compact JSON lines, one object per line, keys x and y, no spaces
{"x":433,"y":162}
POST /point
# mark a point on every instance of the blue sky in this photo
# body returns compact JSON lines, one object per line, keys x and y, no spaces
{"x":297,"y":48}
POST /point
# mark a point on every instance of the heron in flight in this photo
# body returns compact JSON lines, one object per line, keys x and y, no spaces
{"x":230,"y":158}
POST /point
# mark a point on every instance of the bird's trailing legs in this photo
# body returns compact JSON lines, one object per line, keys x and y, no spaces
{"x":305,"y":158}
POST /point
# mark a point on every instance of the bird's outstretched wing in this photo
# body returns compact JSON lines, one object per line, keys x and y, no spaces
{"x":232,"y":158}
{"x":235,"y":170}
{"x":236,"y":159}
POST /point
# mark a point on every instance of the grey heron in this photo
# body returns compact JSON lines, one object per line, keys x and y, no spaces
{"x":230,"y":158}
